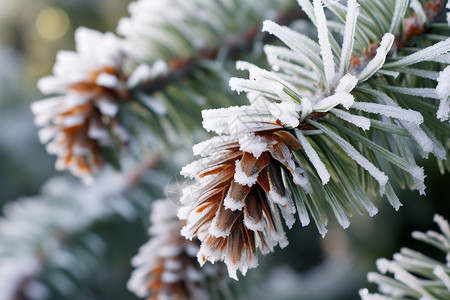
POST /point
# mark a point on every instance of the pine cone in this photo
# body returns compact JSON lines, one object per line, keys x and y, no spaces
{"x":166,"y":265}
{"x":233,"y":208}
{"x":84,"y":117}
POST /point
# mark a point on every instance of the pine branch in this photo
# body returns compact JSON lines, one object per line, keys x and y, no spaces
{"x":237,"y":45}
{"x":302,"y":111}
{"x":415,"y":275}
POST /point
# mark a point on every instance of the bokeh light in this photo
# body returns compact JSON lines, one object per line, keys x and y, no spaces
{"x":52,"y":23}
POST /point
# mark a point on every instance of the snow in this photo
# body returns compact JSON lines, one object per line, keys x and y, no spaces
{"x":238,"y":120}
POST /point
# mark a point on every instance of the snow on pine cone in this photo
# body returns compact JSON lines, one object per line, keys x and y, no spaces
{"x":232,"y":208}
{"x":83,"y":118}
{"x":166,"y":267}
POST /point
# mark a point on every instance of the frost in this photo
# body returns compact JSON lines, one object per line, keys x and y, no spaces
{"x":242,"y":178}
{"x":325,"y":46}
{"x":142,"y":73}
{"x":170,"y":277}
{"x":430,"y":53}
{"x":422,"y":139}
{"x":277,"y":198}
{"x":360,"y":121}
{"x":239,"y":120}
{"x":253,"y":144}
{"x":357,"y":157}
{"x":377,"y":62}
{"x":286,"y":112}
{"x":418,"y":9}
{"x":349,"y":35}
{"x":302,"y":180}
{"x":314,"y":158}
{"x":347,"y":84}
{"x":107,"y":80}
{"x":232,"y":204}
{"x":324,"y":105}
{"x":443,"y":92}
{"x":443,"y":225}
{"x":252,"y":225}
{"x":107,"y":106}
{"x":390,"y":111}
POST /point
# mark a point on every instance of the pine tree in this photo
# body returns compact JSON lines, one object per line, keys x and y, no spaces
{"x":340,"y":99}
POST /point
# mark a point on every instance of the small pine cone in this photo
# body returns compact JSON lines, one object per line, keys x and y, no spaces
{"x":233,"y":207}
{"x":83,"y":118}
{"x":166,"y":265}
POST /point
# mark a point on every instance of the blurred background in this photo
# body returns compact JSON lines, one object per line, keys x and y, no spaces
{"x":333,"y":268}
{"x":31,"y":33}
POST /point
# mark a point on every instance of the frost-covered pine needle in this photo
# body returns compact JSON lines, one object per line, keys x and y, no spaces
{"x":415,"y":275}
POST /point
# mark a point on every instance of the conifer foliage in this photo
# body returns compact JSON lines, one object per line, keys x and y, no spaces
{"x":299,"y":110}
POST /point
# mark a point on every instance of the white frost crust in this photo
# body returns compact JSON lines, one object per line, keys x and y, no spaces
{"x":213,"y":145}
{"x":443,"y":225}
{"x":253,"y":144}
{"x":377,"y":62}
{"x":107,"y":80}
{"x":442,"y":275}
{"x":302,"y":180}
{"x":277,"y":198}
{"x":324,"y":42}
{"x":324,"y":105}
{"x":239,"y":120}
{"x":360,"y":121}
{"x":107,"y":106}
{"x":418,"y":9}
{"x":232,"y":204}
{"x":347,"y":83}
{"x":141,"y":74}
{"x":252,"y":225}
{"x":170,"y":277}
{"x":314,"y":158}
{"x":349,"y":35}
{"x":408,"y":115}
{"x":287,"y":112}
{"x":443,"y":92}
{"x":214,"y":230}
{"x":242,"y":178}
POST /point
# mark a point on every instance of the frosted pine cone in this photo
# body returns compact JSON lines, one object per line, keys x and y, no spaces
{"x":233,"y":207}
{"x":84,"y":117}
{"x":166,"y":265}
